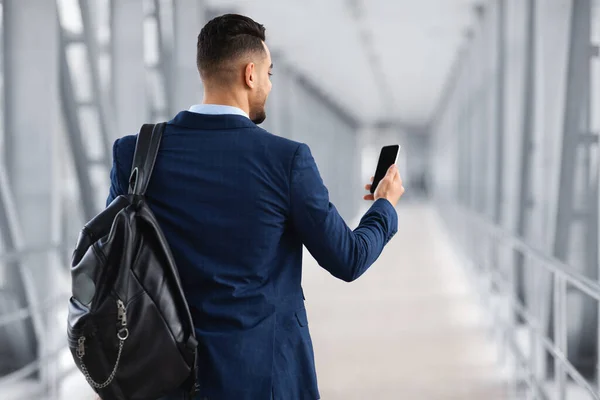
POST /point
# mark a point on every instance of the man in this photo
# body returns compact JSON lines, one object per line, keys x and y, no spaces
{"x":236,"y":204}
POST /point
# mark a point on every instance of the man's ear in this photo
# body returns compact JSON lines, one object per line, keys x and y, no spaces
{"x":250,"y":75}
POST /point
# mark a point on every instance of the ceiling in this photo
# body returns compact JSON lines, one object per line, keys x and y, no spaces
{"x":381,"y":59}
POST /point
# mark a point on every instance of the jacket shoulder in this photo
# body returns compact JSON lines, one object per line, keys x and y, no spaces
{"x":280,"y":141}
{"x":123,"y":150}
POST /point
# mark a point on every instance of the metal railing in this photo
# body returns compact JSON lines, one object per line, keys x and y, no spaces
{"x":31,"y":251}
{"x":26,"y":312}
{"x":50,"y":354}
{"x":482,"y":241}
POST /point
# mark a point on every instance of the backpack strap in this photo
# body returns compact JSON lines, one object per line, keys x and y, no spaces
{"x":146,"y":149}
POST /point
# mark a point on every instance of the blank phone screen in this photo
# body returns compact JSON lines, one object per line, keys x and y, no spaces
{"x":387,"y":157}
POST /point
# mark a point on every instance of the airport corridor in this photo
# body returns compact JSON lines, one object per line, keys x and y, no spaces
{"x":411,"y":328}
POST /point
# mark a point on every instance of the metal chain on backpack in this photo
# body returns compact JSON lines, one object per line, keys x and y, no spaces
{"x":122,"y":334}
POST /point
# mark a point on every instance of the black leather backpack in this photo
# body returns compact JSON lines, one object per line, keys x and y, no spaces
{"x":129,"y":327}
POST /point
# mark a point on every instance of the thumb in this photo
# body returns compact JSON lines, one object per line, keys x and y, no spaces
{"x":397,"y":174}
{"x":391,"y":171}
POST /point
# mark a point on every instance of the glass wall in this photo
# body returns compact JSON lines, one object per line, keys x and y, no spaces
{"x":515,"y":156}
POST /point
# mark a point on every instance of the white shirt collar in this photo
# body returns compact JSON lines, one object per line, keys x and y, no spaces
{"x":217,"y":109}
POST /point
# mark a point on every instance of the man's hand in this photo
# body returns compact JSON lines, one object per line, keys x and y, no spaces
{"x":390,"y":187}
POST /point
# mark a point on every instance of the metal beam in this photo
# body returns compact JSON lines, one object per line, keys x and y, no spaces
{"x":89,"y":128}
{"x":32,"y":112}
{"x":293,"y":76}
{"x":592,"y":308}
{"x":99,"y":98}
{"x":15,"y":280}
{"x":450,"y":86}
{"x":76,"y":137}
{"x":165,"y":61}
{"x":575,"y":123}
{"x":479,"y":97}
{"x":587,"y":350}
{"x":130,"y":95}
{"x":468,"y":110}
{"x":578,"y":60}
{"x":526,"y":200}
{"x":327,"y":101}
{"x":286,"y":117}
{"x":500,"y":90}
{"x":462,"y":133}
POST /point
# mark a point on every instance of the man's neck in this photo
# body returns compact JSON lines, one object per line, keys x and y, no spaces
{"x":226,"y":101}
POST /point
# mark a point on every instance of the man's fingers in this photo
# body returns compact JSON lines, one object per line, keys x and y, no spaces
{"x":392,"y":170}
{"x":372,"y":178}
{"x":369,"y":197}
{"x":393,"y":173}
{"x":368,"y":186}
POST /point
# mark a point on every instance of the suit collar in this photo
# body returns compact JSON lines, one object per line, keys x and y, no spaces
{"x":194,"y":120}
{"x":217,"y":109}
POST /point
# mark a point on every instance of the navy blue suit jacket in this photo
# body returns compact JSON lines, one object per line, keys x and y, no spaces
{"x":236,"y":204}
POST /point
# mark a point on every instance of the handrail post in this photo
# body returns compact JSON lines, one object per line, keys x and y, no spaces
{"x":560,"y":339}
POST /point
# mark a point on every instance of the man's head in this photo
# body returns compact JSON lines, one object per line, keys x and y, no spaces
{"x":234,"y":62}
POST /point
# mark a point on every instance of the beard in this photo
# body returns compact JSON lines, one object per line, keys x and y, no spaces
{"x":258,"y":117}
{"x":257,"y":108}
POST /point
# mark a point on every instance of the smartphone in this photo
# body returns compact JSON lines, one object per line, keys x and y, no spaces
{"x":387,"y":157}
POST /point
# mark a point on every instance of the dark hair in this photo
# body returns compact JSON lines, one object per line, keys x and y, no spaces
{"x":225,"y":38}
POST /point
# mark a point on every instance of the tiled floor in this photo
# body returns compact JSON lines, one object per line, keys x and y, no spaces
{"x":410,"y":328}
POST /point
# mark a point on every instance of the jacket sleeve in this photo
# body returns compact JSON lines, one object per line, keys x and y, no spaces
{"x":346,"y":254}
{"x":115,"y":177}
